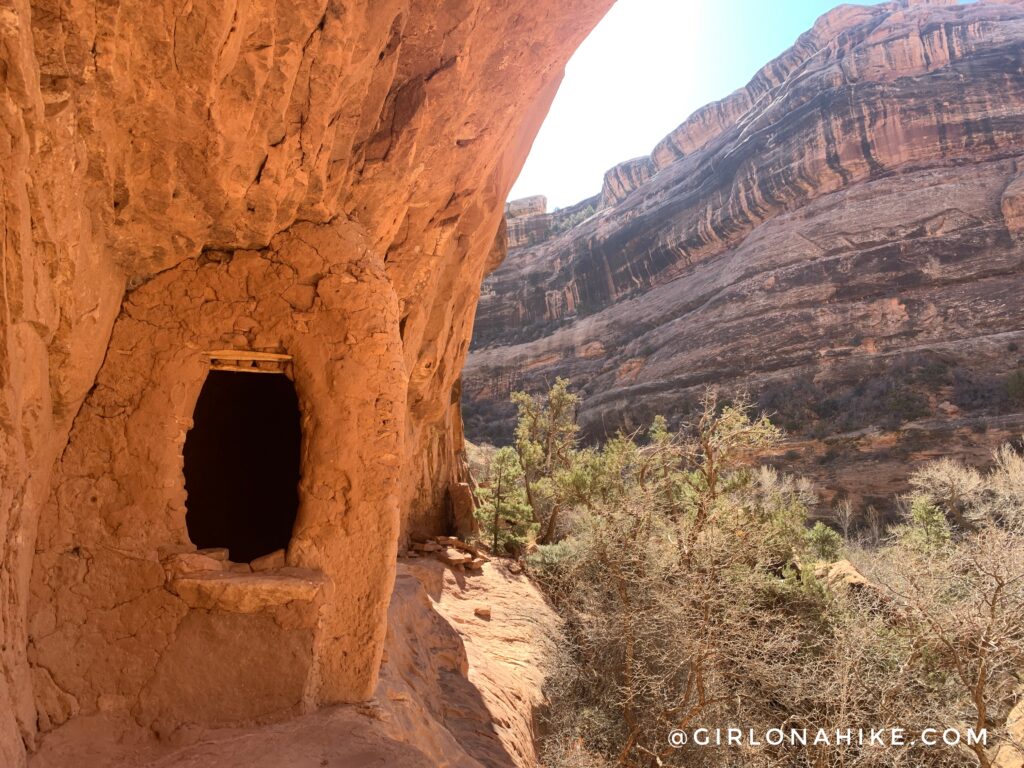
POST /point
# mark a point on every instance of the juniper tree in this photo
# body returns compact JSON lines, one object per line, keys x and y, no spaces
{"x":504,"y":515}
{"x":545,"y":441}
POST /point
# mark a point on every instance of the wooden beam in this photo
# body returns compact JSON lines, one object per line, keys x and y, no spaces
{"x":242,"y":369}
{"x":241,"y":354}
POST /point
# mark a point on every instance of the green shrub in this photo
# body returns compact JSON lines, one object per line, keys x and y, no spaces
{"x":904,"y":404}
{"x":504,"y":515}
{"x":549,"y":558}
{"x":927,"y":529}
{"x":823,"y":543}
{"x":1015,"y":387}
{"x":563,"y":225}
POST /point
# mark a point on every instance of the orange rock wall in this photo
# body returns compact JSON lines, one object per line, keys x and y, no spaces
{"x":322,"y":176}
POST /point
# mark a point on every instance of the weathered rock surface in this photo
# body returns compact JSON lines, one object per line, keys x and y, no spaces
{"x":318,"y":178}
{"x":842,"y":237}
{"x":246,"y":592}
{"x":456,"y":690}
{"x":1011,"y":755}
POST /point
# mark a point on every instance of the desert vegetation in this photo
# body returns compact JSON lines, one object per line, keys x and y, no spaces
{"x":564,"y":223}
{"x":902,"y":390}
{"x":695,"y":594}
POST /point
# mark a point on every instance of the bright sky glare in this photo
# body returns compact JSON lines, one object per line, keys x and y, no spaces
{"x":642,"y":71}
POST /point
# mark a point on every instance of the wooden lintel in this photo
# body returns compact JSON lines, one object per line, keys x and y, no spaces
{"x":243,"y":369}
{"x":241,"y":354}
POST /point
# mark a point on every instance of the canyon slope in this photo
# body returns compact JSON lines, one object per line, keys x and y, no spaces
{"x":843,"y":239}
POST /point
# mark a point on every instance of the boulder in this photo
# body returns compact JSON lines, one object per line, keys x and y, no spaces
{"x":452,"y":556}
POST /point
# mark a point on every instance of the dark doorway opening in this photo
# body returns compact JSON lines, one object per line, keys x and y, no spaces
{"x":242,"y":464}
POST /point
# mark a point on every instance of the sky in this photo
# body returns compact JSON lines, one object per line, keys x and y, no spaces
{"x":641,"y":72}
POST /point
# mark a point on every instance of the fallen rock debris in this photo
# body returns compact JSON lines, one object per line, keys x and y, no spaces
{"x":450,"y":550}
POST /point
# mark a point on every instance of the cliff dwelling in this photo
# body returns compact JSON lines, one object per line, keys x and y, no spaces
{"x":242,"y":463}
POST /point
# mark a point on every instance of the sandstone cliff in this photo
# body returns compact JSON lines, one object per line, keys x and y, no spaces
{"x":319,"y":179}
{"x":842,"y":237}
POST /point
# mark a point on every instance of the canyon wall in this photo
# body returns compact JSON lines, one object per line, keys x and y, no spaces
{"x":322,"y":179}
{"x":842,"y":238}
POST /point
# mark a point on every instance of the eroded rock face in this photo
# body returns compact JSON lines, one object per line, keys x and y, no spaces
{"x":455,"y":689}
{"x":322,"y":179}
{"x":842,"y":237}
